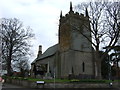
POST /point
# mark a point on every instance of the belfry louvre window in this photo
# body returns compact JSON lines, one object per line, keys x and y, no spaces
{"x":83,"y":67}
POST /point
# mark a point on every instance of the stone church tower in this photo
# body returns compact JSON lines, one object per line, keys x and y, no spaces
{"x":72,"y":56}
{"x":76,"y":56}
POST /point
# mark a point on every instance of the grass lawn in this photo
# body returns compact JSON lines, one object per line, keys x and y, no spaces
{"x":49,"y":80}
{"x":64,"y":80}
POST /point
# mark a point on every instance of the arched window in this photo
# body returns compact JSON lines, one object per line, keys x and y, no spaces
{"x":83,"y":67}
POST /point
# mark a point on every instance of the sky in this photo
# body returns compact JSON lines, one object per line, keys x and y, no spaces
{"x":41,"y":15}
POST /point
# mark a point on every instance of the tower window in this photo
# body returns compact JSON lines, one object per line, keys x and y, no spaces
{"x":83,"y":67}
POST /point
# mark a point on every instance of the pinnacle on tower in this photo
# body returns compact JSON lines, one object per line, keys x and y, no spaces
{"x":86,"y":13}
{"x":60,"y":14}
{"x":71,"y":9}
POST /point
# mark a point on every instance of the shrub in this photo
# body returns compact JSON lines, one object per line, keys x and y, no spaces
{"x":88,"y":81}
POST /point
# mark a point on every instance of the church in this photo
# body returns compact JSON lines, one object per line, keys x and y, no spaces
{"x":72,"y":56}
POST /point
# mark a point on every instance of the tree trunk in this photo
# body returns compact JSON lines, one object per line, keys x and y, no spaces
{"x":97,"y":65}
{"x":9,"y":68}
{"x":99,"y":69}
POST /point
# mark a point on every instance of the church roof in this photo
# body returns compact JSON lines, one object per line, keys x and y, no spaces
{"x":49,"y":52}
{"x":34,"y":61}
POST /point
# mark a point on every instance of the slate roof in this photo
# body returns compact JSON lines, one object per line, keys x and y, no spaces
{"x":34,"y":61}
{"x":49,"y":52}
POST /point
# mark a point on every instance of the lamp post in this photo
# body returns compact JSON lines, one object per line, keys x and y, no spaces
{"x":0,"y":53}
{"x":109,"y":62}
{"x":54,"y":78}
{"x":109,"y":67}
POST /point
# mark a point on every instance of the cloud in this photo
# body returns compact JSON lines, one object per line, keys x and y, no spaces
{"x":41,"y":15}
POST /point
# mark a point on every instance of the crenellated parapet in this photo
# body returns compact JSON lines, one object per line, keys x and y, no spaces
{"x":75,"y":15}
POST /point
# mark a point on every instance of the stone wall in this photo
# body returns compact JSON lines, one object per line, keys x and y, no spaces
{"x":29,"y":84}
{"x":72,"y":63}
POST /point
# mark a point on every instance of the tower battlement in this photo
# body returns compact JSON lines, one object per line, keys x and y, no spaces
{"x":75,"y":15}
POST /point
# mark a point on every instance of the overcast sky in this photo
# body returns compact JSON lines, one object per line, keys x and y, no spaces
{"x":41,"y":15}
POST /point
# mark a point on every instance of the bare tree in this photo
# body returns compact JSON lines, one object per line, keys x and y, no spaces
{"x":113,"y":22}
{"x":15,"y":41}
{"x":104,"y":28}
{"x":22,"y":65}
